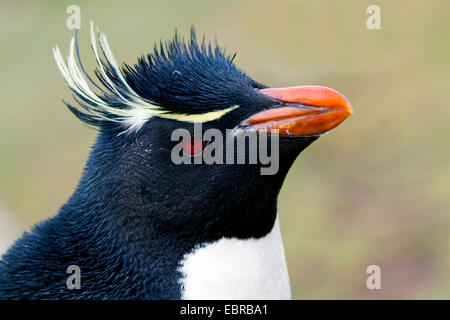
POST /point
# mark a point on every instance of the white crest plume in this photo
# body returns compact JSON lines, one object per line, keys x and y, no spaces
{"x":139,"y":110}
{"x":129,"y":108}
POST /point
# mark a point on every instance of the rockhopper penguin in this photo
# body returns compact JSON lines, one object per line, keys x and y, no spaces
{"x":140,"y":226}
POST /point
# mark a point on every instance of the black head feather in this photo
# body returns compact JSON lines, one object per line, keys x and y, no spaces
{"x":188,"y":77}
{"x":178,"y":77}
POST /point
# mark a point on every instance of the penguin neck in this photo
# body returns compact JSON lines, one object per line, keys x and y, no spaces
{"x":117,"y":212}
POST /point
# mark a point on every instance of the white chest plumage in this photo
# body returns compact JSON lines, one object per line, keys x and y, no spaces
{"x":237,"y":269}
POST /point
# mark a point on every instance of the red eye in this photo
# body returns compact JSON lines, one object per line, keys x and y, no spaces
{"x":193,"y":146}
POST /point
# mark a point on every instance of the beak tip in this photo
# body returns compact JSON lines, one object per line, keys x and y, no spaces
{"x":350,"y":109}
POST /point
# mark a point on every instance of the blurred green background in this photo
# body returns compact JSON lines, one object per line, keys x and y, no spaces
{"x":374,"y":191}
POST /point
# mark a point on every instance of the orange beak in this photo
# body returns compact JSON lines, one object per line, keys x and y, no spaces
{"x":306,"y":110}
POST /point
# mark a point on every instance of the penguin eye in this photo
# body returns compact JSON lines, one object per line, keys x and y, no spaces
{"x":193,"y":146}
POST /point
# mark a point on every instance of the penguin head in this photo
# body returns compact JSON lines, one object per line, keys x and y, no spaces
{"x":188,"y":141}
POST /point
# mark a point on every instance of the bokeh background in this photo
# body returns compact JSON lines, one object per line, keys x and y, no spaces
{"x":375,"y":191}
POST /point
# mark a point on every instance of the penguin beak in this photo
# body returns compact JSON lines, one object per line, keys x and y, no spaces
{"x":303,"y":111}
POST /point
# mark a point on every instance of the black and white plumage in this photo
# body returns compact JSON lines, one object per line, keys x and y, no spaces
{"x":141,"y":227}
